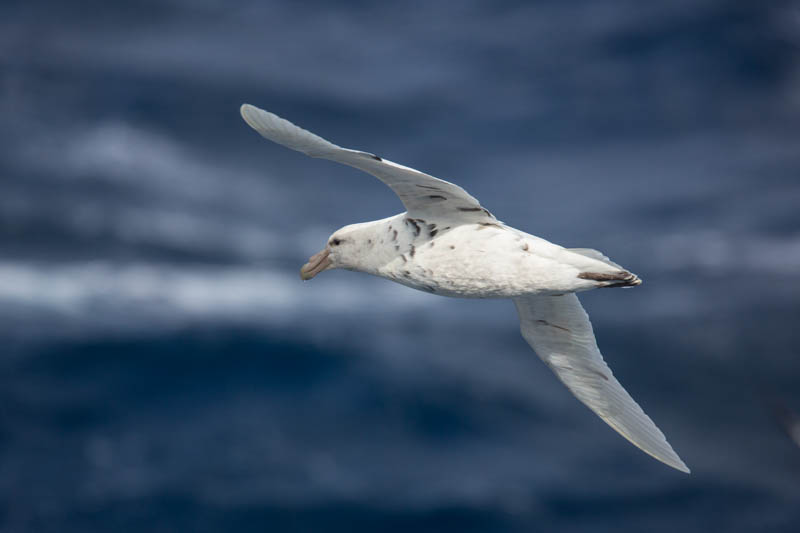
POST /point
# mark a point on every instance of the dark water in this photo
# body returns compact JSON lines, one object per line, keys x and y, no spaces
{"x":162,"y":368}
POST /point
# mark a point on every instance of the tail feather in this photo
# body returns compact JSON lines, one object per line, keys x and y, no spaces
{"x":623,"y":278}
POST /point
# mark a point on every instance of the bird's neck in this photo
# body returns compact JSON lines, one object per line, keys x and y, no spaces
{"x":377,"y":243}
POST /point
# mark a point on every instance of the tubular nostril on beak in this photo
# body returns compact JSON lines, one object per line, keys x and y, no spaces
{"x":316,"y":264}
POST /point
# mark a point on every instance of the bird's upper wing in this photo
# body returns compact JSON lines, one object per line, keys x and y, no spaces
{"x":558,"y":329}
{"x":421,"y":194}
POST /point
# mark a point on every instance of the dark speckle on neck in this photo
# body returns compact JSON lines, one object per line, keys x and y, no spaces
{"x":416,"y":226}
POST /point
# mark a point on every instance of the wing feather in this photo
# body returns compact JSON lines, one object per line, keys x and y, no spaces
{"x":421,"y":194}
{"x":560,"y":332}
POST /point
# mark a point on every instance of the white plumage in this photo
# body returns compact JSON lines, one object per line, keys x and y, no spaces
{"x":446,"y":243}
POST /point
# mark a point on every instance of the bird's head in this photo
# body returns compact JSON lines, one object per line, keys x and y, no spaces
{"x":345,"y":249}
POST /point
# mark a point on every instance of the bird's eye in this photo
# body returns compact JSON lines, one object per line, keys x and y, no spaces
{"x":336,"y":242}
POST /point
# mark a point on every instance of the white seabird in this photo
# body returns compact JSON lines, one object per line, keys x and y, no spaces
{"x":447,"y":244}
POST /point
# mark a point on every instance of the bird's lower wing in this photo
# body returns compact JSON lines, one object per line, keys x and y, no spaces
{"x":558,"y":329}
{"x":421,"y":194}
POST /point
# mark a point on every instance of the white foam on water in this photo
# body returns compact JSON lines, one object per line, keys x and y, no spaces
{"x":105,"y":295}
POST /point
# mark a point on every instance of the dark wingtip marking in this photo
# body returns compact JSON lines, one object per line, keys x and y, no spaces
{"x":434,"y":232}
{"x":436,"y":197}
{"x":375,"y":157}
{"x":413,"y":251}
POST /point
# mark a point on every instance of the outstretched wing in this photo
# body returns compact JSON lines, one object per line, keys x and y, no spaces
{"x":558,"y":329}
{"x":421,"y":194}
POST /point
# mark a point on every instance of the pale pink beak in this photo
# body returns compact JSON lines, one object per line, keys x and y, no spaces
{"x":316,"y":264}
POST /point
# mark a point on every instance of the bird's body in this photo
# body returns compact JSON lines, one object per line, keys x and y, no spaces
{"x":474,"y":260}
{"x":446,"y":243}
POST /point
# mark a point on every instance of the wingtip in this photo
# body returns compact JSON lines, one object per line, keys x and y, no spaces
{"x":672,"y":461}
{"x":682,"y":467}
{"x":670,"y":458}
{"x":252,"y":115}
{"x":245,"y":110}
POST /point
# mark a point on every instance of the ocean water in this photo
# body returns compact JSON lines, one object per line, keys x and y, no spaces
{"x":163,"y":368}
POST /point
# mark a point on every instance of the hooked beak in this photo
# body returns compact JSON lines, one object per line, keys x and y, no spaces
{"x":316,"y":264}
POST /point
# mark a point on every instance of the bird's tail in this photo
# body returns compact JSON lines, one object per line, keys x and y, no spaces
{"x":622,"y":278}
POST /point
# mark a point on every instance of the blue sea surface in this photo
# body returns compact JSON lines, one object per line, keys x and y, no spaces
{"x":163,"y":368}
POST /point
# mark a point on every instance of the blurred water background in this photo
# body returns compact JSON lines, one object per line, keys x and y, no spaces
{"x":162,"y":367}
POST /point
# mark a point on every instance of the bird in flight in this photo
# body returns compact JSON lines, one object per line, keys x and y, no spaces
{"x":446,"y":243}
